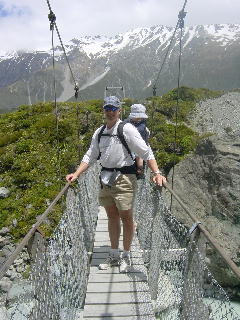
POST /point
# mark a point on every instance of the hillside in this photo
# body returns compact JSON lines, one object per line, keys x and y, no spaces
{"x":34,"y":159}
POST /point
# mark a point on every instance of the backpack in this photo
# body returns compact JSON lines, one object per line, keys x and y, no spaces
{"x":141,"y":127}
{"x":119,"y":135}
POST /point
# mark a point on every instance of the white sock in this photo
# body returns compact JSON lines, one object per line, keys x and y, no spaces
{"x":114,"y":252}
{"x":126,"y":253}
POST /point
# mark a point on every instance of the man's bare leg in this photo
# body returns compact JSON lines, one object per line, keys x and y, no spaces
{"x":128,"y":228}
{"x":114,"y":227}
{"x":114,"y":230}
{"x":128,"y":232}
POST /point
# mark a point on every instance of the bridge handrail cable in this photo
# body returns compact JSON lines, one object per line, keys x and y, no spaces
{"x":31,"y":232}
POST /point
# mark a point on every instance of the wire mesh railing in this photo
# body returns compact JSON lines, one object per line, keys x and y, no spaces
{"x":59,"y":270}
{"x":63,"y":267}
{"x":180,"y":282}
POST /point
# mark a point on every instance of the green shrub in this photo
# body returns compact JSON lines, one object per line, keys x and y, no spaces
{"x":22,"y":146}
{"x":9,"y":138}
{"x":35,"y":160}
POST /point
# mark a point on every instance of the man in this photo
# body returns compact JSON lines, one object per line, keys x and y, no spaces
{"x":118,"y":178}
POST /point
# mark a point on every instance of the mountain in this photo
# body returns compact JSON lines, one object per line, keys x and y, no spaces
{"x":210,"y":59}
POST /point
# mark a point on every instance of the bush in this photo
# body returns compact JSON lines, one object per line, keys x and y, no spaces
{"x":22,"y":146}
{"x":9,"y":138}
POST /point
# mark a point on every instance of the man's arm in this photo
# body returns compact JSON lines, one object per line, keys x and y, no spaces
{"x":158,"y":178}
{"x":89,"y":158}
{"x":73,"y":176}
{"x":141,"y":149}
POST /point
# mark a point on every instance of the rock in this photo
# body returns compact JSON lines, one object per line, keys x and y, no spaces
{"x":3,"y":242}
{"x":20,"y":289}
{"x":14,"y":223}
{"x":208,"y":182}
{"x":3,"y":298}
{"x":4,"y":192}
{"x":8,"y":249}
{"x":4,"y":231}
{"x":5,"y":285}
{"x":3,"y":314}
{"x":20,"y":311}
{"x":37,"y":242}
{"x":12,"y":274}
{"x":220,"y":116}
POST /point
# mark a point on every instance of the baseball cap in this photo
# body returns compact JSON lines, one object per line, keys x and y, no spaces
{"x":112,"y":101}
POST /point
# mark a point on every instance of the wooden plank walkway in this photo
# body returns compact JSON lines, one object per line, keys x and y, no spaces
{"x":113,"y":295}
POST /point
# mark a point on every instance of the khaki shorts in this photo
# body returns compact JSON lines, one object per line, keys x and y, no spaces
{"x":121,"y":193}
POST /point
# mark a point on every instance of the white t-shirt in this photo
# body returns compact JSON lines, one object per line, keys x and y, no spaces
{"x":112,"y":152}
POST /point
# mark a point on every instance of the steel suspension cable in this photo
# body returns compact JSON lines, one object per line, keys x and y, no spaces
{"x":164,"y":59}
{"x":182,"y":15}
{"x":76,"y":87}
{"x":170,"y":44}
{"x":52,"y":19}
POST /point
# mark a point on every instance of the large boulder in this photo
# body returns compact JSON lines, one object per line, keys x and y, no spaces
{"x":208,"y":182}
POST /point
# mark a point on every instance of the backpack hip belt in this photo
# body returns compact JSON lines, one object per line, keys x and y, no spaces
{"x":124,"y":170}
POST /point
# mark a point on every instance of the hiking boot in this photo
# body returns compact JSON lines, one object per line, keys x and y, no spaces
{"x":110,"y":261}
{"x":125,"y":264}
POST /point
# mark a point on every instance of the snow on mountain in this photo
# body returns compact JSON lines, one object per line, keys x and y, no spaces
{"x":132,"y":58}
{"x":224,"y":33}
{"x":99,"y":46}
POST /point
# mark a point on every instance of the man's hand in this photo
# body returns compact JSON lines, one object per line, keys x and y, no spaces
{"x":159,"y":180}
{"x":71,"y":177}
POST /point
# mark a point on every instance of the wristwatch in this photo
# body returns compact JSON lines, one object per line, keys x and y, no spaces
{"x":156,"y":172}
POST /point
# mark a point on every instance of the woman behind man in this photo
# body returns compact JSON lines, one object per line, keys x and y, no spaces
{"x":138,"y":117}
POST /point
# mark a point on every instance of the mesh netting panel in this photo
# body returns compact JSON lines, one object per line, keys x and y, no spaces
{"x":61,"y":268}
{"x":180,"y":283}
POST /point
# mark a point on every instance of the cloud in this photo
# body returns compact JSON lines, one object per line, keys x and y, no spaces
{"x":24,"y":23}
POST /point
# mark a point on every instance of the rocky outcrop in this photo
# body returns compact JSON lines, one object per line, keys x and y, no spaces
{"x":208,"y":182}
{"x":15,"y":283}
{"x":220,"y":116}
{"x":4,"y":192}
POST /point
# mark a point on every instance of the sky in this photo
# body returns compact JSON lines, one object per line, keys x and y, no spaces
{"x":24,"y":24}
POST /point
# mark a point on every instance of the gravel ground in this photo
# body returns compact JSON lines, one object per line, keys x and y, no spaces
{"x":220,"y":115}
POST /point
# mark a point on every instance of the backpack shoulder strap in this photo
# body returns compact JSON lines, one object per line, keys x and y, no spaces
{"x":122,"y":139}
{"x":101,"y":132}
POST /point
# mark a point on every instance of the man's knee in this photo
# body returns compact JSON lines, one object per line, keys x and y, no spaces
{"x":112,"y":212}
{"x":126,"y":215}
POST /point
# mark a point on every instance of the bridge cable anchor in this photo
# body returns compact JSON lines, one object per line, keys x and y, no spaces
{"x":76,"y":88}
{"x":154,"y":90}
{"x":52,"y":19}
{"x":182,"y":14}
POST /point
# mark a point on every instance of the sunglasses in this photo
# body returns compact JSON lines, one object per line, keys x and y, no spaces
{"x":110,"y":108}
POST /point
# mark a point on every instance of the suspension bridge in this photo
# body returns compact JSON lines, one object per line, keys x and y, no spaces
{"x":169,"y":278}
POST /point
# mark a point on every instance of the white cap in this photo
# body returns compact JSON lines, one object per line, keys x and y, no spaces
{"x":138,"y":111}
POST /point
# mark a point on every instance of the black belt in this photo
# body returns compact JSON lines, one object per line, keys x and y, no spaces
{"x":124,"y":170}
